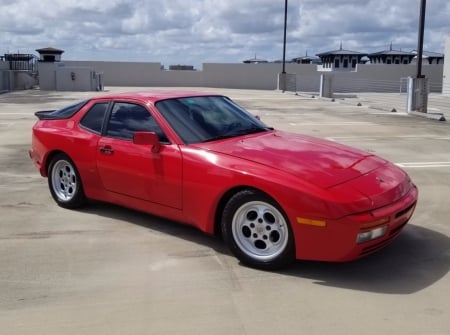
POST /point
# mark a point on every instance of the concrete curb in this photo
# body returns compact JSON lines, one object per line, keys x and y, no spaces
{"x":433,"y":116}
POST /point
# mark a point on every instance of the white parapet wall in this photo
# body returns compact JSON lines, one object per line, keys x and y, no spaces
{"x":446,"y":76}
{"x":367,"y":78}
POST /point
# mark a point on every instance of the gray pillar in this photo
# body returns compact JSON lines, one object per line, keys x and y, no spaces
{"x":326,"y":86}
{"x":282,"y":81}
{"x":418,"y":89}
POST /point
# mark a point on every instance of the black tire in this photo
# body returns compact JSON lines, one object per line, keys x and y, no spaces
{"x":257,"y":231}
{"x":64,"y":182}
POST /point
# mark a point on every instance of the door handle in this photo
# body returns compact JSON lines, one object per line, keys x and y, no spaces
{"x":107,"y":150}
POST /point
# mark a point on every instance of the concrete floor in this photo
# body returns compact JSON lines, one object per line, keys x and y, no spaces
{"x":110,"y":270}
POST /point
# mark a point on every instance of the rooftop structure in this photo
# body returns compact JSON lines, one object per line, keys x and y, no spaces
{"x":50,"y":54}
{"x":340,"y":59}
{"x":391,"y":56}
{"x":430,"y":57}
{"x":255,"y":61}
{"x":306,"y":59}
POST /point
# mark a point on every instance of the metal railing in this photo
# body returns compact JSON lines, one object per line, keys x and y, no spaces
{"x":379,"y":95}
{"x":348,"y":85}
{"x":21,"y":62}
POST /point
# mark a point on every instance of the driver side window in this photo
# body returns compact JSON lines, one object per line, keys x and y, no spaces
{"x":127,"y":118}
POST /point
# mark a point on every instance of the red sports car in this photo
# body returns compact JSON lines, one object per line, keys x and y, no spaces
{"x":203,"y":160}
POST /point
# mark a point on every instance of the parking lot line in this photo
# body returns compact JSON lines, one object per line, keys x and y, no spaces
{"x":331,"y":123}
{"x":424,"y":164}
{"x":372,"y":138}
{"x":6,"y":113}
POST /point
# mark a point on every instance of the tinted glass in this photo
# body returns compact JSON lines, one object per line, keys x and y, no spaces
{"x":93,"y":119}
{"x":128,"y":118}
{"x":208,"y":118}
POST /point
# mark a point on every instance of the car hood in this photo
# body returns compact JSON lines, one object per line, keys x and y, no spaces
{"x":320,"y":162}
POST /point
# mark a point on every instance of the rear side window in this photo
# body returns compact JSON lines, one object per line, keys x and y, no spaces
{"x":93,"y":119}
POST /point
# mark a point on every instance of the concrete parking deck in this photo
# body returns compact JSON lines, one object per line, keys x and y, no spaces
{"x":110,"y":270}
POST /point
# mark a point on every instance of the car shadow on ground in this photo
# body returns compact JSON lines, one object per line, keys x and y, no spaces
{"x":415,"y":260}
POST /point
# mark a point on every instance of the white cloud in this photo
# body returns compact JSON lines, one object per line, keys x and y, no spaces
{"x":197,"y":31}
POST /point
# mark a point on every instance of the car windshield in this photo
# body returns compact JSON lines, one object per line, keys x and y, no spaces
{"x":208,"y":118}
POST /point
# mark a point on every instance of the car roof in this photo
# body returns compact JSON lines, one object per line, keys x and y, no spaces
{"x":154,"y":96}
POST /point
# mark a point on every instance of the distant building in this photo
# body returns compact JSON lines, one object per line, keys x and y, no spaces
{"x":287,"y":61}
{"x":18,"y":72}
{"x":20,"y":62}
{"x":340,"y":60}
{"x":430,"y":57}
{"x":181,"y":67}
{"x":391,"y":57}
{"x":365,"y":60}
{"x":306,"y":60}
{"x":50,"y":54}
{"x":255,"y":61}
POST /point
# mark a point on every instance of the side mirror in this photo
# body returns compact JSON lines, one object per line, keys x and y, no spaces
{"x":147,"y":138}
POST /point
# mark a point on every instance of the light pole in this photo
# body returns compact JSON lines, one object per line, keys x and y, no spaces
{"x":284,"y":40}
{"x":418,"y":88}
{"x":423,"y":6}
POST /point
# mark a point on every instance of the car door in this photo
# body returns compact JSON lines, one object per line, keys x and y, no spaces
{"x":134,"y":170}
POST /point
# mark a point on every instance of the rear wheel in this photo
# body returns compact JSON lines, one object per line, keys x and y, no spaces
{"x":257,"y":231}
{"x":64,"y":182}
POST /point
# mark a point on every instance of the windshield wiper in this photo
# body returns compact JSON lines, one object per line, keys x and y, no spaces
{"x":251,"y":130}
{"x":241,"y":132}
{"x":219,"y":137}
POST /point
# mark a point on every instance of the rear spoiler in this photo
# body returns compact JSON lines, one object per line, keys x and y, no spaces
{"x":46,"y":115}
{"x":61,"y":114}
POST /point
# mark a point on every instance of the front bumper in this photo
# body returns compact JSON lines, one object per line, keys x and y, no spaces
{"x":337,"y":241}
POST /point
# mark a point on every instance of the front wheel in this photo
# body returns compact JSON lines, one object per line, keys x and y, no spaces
{"x":257,"y":231}
{"x":65,"y":183}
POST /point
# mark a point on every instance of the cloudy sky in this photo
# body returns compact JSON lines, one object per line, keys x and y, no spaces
{"x":204,"y":31}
